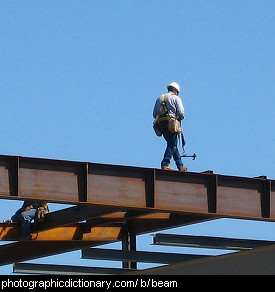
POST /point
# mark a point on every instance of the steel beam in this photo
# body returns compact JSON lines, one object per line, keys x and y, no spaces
{"x":129,"y":244}
{"x":136,"y":256}
{"x":144,"y":225}
{"x":74,"y":215}
{"x":123,"y":217}
{"x":258,"y":261}
{"x":209,"y":242}
{"x":77,"y":232}
{"x":31,"y":249}
{"x":47,"y":269}
{"x":101,"y":191}
{"x":139,"y":188}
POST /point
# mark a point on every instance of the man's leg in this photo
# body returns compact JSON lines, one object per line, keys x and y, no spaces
{"x":25,"y":218}
{"x":176,"y":154}
{"x":172,"y":150}
{"x":169,"y":149}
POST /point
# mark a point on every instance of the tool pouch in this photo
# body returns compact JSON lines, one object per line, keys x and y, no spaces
{"x":173,"y":125}
{"x":157,"y":129}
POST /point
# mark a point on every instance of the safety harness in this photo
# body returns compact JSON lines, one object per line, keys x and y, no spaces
{"x":163,"y":112}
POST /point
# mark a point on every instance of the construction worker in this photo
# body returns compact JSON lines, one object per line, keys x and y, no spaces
{"x":169,"y":110}
{"x":27,"y":213}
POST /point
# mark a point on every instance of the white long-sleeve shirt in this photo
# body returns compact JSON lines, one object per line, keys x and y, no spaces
{"x":174,"y":106}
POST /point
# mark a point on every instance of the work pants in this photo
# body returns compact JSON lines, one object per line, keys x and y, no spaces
{"x":25,"y":219}
{"x":171,"y":150}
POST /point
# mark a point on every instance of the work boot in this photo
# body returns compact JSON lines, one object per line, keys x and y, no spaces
{"x":183,"y":168}
{"x":167,"y":167}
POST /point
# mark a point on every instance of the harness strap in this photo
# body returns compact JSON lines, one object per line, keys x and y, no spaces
{"x":163,"y":112}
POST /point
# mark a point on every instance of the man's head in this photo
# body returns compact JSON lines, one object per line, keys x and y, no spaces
{"x":174,"y":87}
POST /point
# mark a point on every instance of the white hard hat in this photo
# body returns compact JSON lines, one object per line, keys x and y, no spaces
{"x":175,"y":85}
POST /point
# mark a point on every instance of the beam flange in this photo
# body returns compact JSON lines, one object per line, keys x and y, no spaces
{"x":258,"y":261}
{"x":29,"y":268}
{"x":209,"y":242}
{"x":27,"y":250}
{"x":136,"y":256}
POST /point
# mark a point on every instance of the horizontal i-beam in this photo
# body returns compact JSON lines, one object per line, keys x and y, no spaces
{"x":31,"y":249}
{"x":135,"y":187}
{"x":29,"y":268}
{"x":77,"y":232}
{"x":208,"y":242}
{"x":136,"y":256}
{"x":74,"y":215}
{"x":258,"y":261}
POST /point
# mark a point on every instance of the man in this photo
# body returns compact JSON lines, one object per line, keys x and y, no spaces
{"x":28,"y":212}
{"x":169,"y":106}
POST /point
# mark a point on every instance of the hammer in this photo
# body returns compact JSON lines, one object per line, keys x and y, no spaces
{"x":193,"y":156}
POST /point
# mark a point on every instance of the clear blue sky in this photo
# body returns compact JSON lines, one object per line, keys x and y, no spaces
{"x":78,"y":81}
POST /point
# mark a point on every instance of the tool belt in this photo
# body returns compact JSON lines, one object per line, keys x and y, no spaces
{"x":166,"y":118}
{"x":159,"y":125}
{"x":172,"y":125}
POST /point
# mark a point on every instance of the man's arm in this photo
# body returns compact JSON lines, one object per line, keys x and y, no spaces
{"x":156,"y":108}
{"x":179,"y":108}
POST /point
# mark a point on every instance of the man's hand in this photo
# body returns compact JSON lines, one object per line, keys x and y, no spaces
{"x":41,"y":213}
{"x":28,"y":208}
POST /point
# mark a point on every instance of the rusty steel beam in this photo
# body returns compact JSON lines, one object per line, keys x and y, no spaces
{"x":138,"y":188}
{"x":74,"y":215}
{"x":150,"y":222}
{"x":129,"y":216}
{"x":77,"y":232}
{"x":141,"y":226}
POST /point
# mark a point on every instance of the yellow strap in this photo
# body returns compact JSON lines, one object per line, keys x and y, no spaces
{"x":163,"y":104}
